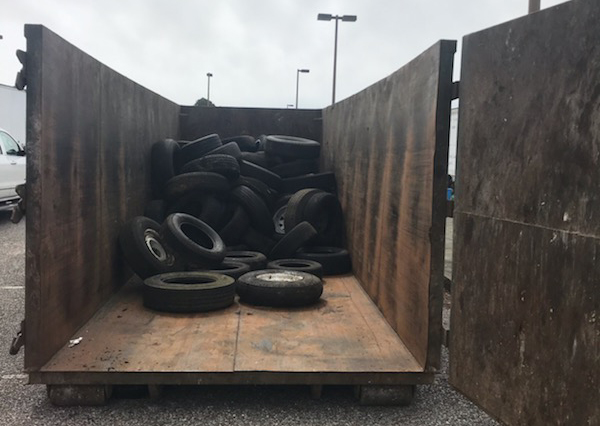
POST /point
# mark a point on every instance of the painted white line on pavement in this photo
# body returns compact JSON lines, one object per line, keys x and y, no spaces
{"x":11,"y":287}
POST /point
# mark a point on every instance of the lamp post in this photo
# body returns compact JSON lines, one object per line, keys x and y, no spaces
{"x":534,"y":6}
{"x":344,"y":18}
{"x":298,"y":82}
{"x":209,"y":75}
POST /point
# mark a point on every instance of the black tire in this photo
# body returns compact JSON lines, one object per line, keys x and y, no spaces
{"x":252,"y":170}
{"x":258,"y":158}
{"x":324,"y":212}
{"x":254,"y":259}
{"x":335,"y":261}
{"x":303,"y":265}
{"x":279,"y":214}
{"x":294,"y":239}
{"x":188,"y":292}
{"x":257,"y":241}
{"x":155,"y":210}
{"x":212,"y":211}
{"x":197,"y":148}
{"x":230,"y":268}
{"x":183,"y":184}
{"x":262,"y":142}
{"x":277,"y":288}
{"x":244,"y":142}
{"x":323,"y":181}
{"x":233,"y":231}
{"x":296,"y":168}
{"x":230,"y":148}
{"x":222,"y":164}
{"x":144,"y":249}
{"x":162,"y":165}
{"x":195,"y":241}
{"x":292,"y":147}
{"x":258,"y":211}
{"x":295,"y":208}
{"x":267,"y":194}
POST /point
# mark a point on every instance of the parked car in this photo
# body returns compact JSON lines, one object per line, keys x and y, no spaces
{"x":12,"y":169}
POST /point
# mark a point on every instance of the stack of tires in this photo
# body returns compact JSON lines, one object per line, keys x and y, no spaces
{"x":243,"y":213}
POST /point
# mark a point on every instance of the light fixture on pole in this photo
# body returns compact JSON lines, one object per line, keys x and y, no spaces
{"x":209,"y":75}
{"x":344,"y":18}
{"x":298,"y":82}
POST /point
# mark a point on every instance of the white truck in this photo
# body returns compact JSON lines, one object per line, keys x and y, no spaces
{"x":12,"y":169}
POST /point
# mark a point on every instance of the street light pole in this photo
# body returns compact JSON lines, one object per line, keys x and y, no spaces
{"x":298,"y":82}
{"x":344,"y":18}
{"x":534,"y":6}
{"x":209,"y":75}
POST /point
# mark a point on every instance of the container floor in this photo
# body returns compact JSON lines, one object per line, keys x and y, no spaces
{"x":343,"y":339}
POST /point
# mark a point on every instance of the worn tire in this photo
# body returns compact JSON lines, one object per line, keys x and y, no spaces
{"x":259,"y":213}
{"x":258,"y":158}
{"x":144,"y":249}
{"x":296,"y":168}
{"x":252,"y":170}
{"x":295,"y":238}
{"x":195,"y":241}
{"x":295,"y":208}
{"x":230,"y":268}
{"x":183,"y":184}
{"x":324,"y":211}
{"x":162,"y":164}
{"x":323,"y":181}
{"x":244,"y":142}
{"x":267,"y":194}
{"x":302,"y":265}
{"x":277,"y":288}
{"x":197,"y":148}
{"x":188,"y":292}
{"x":255,"y":260}
{"x":292,"y":147}
{"x":230,"y":148}
{"x":335,"y":260}
{"x":258,"y":241}
{"x":222,"y":164}
{"x":155,"y":210}
{"x":233,"y":231}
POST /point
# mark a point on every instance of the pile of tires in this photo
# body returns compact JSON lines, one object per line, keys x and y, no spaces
{"x":228,"y":207}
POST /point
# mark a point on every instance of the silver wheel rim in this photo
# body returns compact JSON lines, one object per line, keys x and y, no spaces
{"x":155,"y":246}
{"x":283,"y":276}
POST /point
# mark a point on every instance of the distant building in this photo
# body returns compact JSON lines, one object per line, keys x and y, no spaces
{"x":12,"y":111}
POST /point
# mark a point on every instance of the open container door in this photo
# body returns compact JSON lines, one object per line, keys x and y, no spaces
{"x":525,"y":334}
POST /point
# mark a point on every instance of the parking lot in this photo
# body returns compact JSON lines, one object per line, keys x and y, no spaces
{"x":22,"y":404}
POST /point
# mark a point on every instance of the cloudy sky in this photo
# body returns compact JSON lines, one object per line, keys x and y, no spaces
{"x":252,"y":47}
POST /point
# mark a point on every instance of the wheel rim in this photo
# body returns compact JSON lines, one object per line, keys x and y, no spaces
{"x":280,"y":277}
{"x":279,"y":220}
{"x":151,"y":238}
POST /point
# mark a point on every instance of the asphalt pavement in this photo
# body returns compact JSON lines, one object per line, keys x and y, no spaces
{"x":22,"y":404}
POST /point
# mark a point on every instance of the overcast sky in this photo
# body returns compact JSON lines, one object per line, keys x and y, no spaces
{"x":252,"y":47}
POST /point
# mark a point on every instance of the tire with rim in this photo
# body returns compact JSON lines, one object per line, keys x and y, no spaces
{"x":292,"y":147}
{"x":294,"y":239}
{"x":144,"y":249}
{"x":335,"y":260}
{"x":162,"y":164}
{"x":279,"y":214}
{"x":302,"y":265}
{"x":188,"y":292}
{"x":278,"y":288}
{"x":195,"y":241}
{"x":254,"y":259}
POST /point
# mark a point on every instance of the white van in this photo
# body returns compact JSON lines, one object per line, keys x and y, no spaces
{"x":12,"y":169}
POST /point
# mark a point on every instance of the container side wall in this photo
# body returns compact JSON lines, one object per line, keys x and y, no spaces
{"x":388,"y":146}
{"x":89,"y":136}
{"x":226,"y":121}
{"x":525,"y":333}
